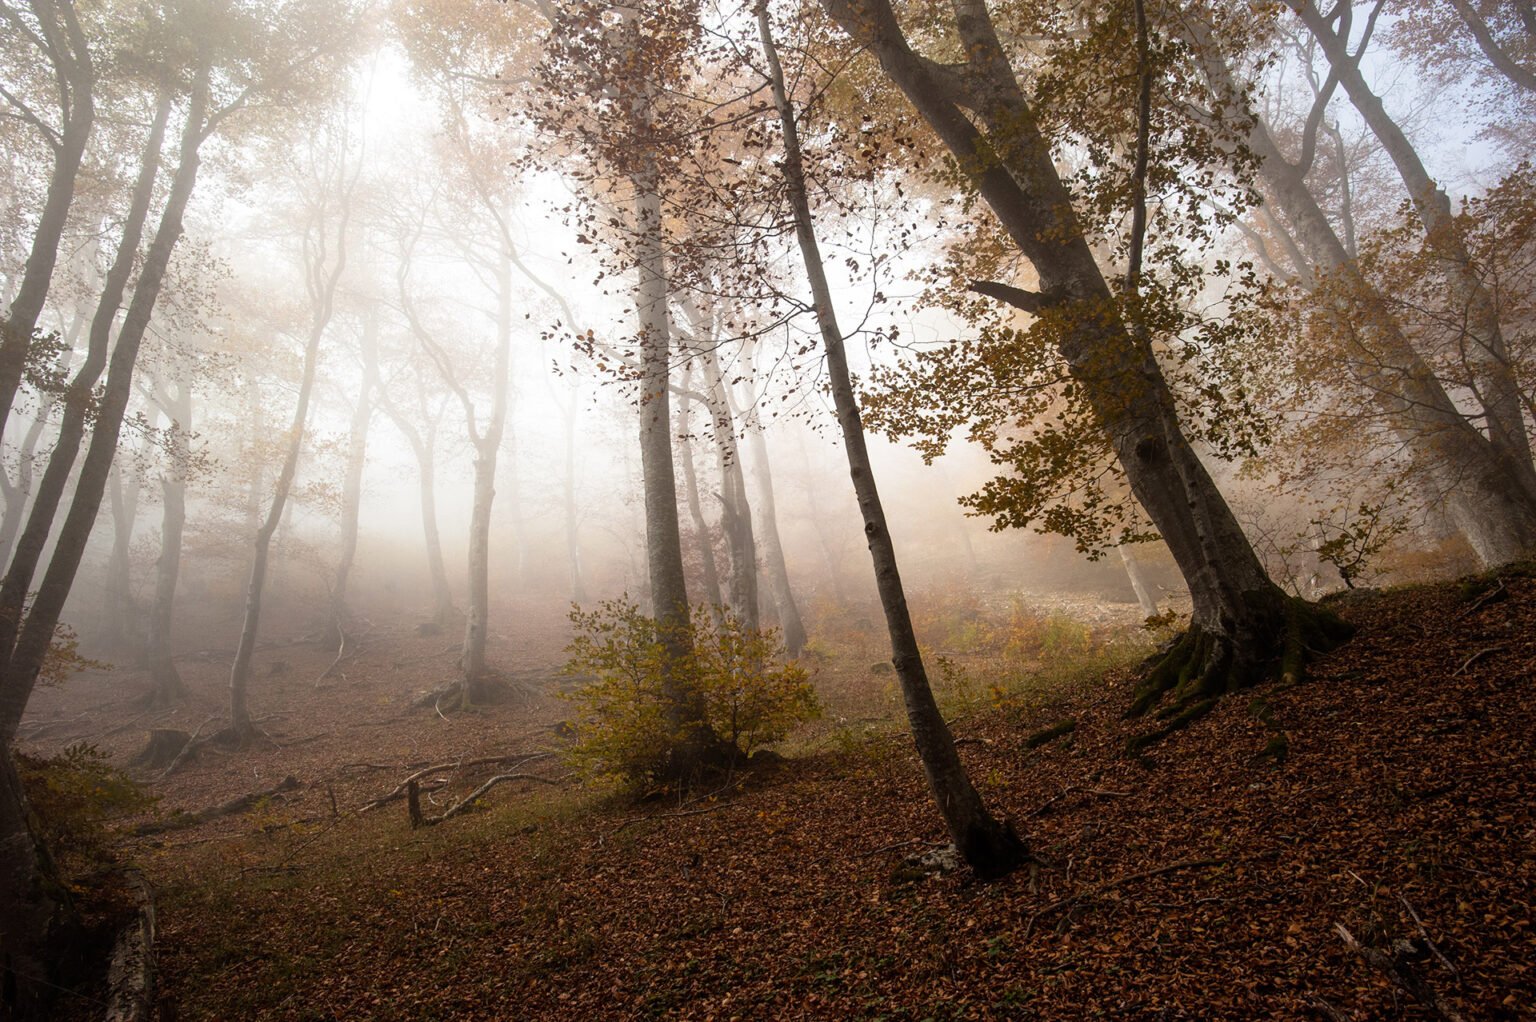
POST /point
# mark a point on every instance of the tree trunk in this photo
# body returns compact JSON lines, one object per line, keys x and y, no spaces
{"x":76,"y":79}
{"x":322,"y":284}
{"x":989,"y":847}
{"x":1482,"y":498}
{"x":788,"y":610}
{"x":736,"y":512}
{"x":37,"y":631}
{"x":166,"y":685}
{"x":1492,"y":368}
{"x":352,"y":484}
{"x":706,"y":545}
{"x":1240,"y":620}
{"x":487,"y":447}
{"x":121,"y":616}
{"x":1138,"y":579}
{"x":424,"y":447}
{"x":78,"y":396}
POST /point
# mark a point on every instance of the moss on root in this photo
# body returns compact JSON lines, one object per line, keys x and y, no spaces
{"x":1203,"y":666}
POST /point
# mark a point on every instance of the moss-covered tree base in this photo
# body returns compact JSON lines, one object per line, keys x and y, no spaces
{"x":1203,"y":665}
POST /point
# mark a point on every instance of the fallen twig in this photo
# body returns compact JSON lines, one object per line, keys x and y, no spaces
{"x":1475,"y":657}
{"x":1399,"y":973}
{"x":399,"y":790}
{"x":1119,"y":882}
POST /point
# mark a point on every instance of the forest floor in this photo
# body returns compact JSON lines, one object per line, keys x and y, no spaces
{"x":1390,"y":799}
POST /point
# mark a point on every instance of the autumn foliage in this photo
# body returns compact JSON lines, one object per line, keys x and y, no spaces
{"x":624,"y":733}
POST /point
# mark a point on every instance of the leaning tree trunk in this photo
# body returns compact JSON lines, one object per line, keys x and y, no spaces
{"x":989,"y":847}
{"x":166,"y":685}
{"x":25,"y":660}
{"x":1242,"y":623}
{"x":79,"y":395}
{"x":1138,"y":580}
{"x":76,"y":79}
{"x":1483,"y":499}
{"x":1492,"y":367}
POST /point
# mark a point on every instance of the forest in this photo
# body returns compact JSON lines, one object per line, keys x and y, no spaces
{"x":767,"y":509}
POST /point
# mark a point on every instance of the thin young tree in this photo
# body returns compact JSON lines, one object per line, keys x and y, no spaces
{"x":988,"y":846}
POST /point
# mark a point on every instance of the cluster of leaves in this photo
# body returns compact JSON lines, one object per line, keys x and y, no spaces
{"x":76,"y":795}
{"x":633,"y":683}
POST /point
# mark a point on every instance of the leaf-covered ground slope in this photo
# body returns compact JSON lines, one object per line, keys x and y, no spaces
{"x":1390,"y":795}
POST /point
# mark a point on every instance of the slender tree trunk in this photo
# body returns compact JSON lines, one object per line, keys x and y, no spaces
{"x":989,"y":847}
{"x":423,"y":443}
{"x":352,"y":484}
{"x":37,"y":631}
{"x":442,"y":593}
{"x":122,"y":619}
{"x":76,"y":80}
{"x":166,"y":685}
{"x":788,"y":611}
{"x":78,"y":396}
{"x":695,"y":507}
{"x":487,"y":448}
{"x":1138,"y":580}
{"x":322,"y":285}
{"x":736,"y":512}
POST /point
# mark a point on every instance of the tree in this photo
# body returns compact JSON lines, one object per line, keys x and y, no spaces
{"x":989,"y":847}
{"x":1479,"y":480}
{"x":56,"y":32}
{"x":325,"y":259}
{"x":984,"y":116}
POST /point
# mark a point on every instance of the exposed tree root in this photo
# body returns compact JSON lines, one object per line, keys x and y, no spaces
{"x":1203,"y":665}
